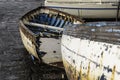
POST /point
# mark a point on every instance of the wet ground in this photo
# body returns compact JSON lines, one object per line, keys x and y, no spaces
{"x":15,"y":63}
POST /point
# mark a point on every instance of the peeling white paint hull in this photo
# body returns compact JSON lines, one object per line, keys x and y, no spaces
{"x":86,"y":59}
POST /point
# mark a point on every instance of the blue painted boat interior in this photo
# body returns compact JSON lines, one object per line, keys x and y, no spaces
{"x":47,"y":19}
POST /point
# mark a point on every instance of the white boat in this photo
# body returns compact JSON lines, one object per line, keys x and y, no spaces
{"x":91,"y":51}
{"x":86,"y":8}
{"x":41,"y":31}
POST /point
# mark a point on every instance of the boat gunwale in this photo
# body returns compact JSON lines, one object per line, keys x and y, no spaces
{"x":50,"y":9}
{"x":43,"y":7}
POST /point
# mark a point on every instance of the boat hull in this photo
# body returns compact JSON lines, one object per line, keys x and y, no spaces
{"x":87,"y":59}
{"x":28,"y":40}
{"x":84,"y":9}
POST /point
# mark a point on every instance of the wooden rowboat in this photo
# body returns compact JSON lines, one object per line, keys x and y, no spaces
{"x":41,"y":31}
{"x":91,"y":51}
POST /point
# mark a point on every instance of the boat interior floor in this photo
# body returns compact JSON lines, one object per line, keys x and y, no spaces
{"x":48,"y":40}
